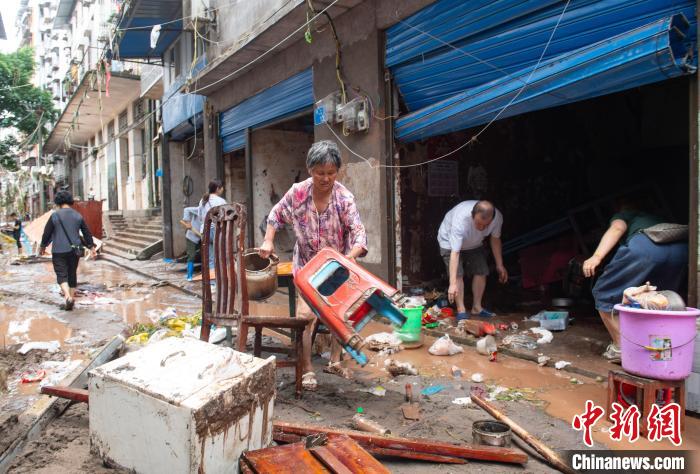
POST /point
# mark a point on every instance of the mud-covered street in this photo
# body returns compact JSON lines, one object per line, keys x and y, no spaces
{"x":114,"y":299}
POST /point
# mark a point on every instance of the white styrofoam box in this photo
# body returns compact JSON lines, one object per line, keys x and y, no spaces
{"x":181,"y":405}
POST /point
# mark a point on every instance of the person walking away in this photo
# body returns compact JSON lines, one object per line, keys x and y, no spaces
{"x":461,"y":239}
{"x":322,"y":213}
{"x":17,"y":231}
{"x":190,"y":221}
{"x":63,"y":230}
{"x":211,"y":199}
{"x":637,"y":260}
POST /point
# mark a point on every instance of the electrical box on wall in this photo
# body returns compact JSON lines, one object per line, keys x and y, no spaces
{"x":354,"y":115}
{"x":325,"y":109}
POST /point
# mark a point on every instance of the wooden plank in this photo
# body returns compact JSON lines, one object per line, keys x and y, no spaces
{"x":75,"y":394}
{"x":481,"y":453}
{"x":328,"y":459}
{"x":280,"y":437}
{"x":352,"y":456}
{"x":397,"y":453}
{"x":288,"y":459}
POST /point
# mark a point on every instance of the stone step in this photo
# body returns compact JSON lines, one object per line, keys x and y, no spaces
{"x":135,"y":241}
{"x":125,"y":250}
{"x":155,"y":234}
{"x":111,"y":250}
{"x":151,"y":227}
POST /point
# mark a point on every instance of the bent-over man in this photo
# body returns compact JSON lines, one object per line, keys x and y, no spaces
{"x":461,"y":238}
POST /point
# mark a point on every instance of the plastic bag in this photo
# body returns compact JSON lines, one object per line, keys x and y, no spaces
{"x":445,"y":347}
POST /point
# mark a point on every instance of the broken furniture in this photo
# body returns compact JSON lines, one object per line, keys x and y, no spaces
{"x":181,"y":405}
{"x":627,"y":389}
{"x":408,"y":448}
{"x":227,"y":223}
{"x":337,"y":454}
{"x":345,"y":297}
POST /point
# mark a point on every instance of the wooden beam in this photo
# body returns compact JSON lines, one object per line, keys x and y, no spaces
{"x":69,"y":393}
{"x":426,"y":446}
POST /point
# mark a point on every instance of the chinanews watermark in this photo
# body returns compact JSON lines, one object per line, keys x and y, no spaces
{"x":662,"y":423}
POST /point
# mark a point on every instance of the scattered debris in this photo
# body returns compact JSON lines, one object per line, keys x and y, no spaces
{"x":552,"y":457}
{"x":561,"y":364}
{"x":520,"y":341}
{"x":432,"y":390}
{"x":411,"y":411}
{"x":486,"y":345}
{"x":542,"y":360}
{"x":383,"y":341}
{"x":50,"y":346}
{"x":456,"y":372}
{"x":362,"y":423}
{"x":575,"y":381}
{"x":546,"y":336}
{"x":477,"y":377}
{"x":491,"y":433}
{"x":477,"y":328}
{"x":445,"y":347}
{"x":377,"y":390}
{"x":462,"y":401}
{"x":396,"y":368}
{"x":32,"y":377}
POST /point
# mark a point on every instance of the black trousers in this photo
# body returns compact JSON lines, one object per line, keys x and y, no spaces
{"x":65,"y":265}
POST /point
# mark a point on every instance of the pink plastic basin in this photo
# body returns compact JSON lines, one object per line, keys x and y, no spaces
{"x":657,"y":344}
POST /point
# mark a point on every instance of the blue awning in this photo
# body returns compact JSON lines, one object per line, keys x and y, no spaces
{"x":644,"y":55}
{"x":136,"y":25}
{"x":497,"y":38}
{"x":283,"y":99}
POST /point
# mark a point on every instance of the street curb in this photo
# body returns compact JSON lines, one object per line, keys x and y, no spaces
{"x":48,"y":408}
{"x":148,"y":275}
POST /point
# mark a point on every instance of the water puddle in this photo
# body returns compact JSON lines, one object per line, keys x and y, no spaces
{"x":19,"y":325}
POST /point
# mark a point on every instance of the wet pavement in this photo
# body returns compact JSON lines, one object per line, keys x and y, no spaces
{"x":29,"y":312}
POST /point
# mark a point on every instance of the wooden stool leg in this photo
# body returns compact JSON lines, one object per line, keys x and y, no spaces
{"x":299,"y":358}
{"x":257,"y":348}
{"x":204,"y":333}
{"x":242,"y":336}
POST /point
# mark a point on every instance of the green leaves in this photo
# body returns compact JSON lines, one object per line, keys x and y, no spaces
{"x":23,"y":106}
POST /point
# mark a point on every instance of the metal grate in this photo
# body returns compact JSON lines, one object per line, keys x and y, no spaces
{"x":123,"y":121}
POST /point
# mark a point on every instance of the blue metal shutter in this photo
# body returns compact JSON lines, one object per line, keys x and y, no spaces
{"x":282,"y":99}
{"x":644,"y":55}
{"x":503,"y":39}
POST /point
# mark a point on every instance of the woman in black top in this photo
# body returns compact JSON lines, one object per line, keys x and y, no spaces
{"x":63,"y":229}
{"x":17,"y":231}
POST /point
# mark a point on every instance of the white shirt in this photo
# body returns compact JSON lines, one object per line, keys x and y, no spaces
{"x":457,"y":231}
{"x":214,"y":200}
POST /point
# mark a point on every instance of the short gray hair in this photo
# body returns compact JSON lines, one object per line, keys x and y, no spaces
{"x":320,"y":153}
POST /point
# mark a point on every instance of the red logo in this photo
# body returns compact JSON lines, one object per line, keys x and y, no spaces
{"x":665,"y":423}
{"x":625,"y":422}
{"x":585,"y":421}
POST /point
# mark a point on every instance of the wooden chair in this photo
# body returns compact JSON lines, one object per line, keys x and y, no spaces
{"x":230,"y":307}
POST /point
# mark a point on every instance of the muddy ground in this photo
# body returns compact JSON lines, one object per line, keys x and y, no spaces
{"x":541,"y":399}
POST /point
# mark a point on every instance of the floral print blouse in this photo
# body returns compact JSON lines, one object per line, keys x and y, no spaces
{"x":338,"y":227}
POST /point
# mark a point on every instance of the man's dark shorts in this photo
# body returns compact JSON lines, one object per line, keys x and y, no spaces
{"x":471,"y":262}
{"x":192,"y":249}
